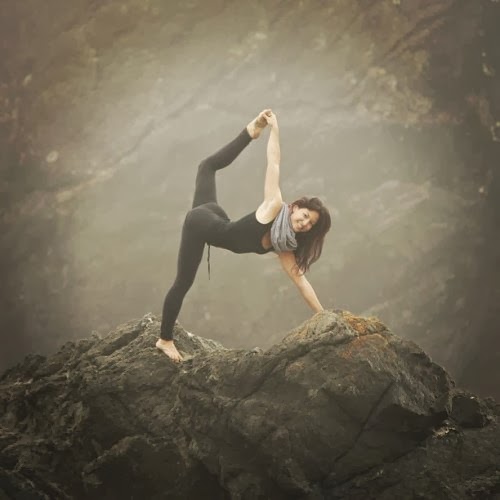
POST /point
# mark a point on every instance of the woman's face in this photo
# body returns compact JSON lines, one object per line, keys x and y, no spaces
{"x":303,"y":219}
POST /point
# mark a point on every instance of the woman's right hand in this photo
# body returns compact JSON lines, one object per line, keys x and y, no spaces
{"x":271,"y":119}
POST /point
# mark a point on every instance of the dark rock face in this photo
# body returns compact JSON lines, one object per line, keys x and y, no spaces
{"x":340,"y":408}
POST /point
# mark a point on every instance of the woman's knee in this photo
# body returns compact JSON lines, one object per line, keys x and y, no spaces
{"x":179,"y":289}
{"x":182,"y":285}
{"x":207,"y":164}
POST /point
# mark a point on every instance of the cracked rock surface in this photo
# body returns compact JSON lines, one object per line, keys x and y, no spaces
{"x":340,"y":408}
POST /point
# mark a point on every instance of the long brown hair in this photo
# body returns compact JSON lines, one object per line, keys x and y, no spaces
{"x":310,"y":243}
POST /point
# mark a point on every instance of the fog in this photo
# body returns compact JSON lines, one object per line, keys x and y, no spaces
{"x":108,"y":110}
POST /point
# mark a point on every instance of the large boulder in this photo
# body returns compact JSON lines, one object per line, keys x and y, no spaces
{"x":340,"y":408}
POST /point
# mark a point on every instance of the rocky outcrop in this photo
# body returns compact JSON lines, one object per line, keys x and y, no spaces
{"x":340,"y":408}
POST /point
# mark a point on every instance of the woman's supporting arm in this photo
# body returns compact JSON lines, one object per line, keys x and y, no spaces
{"x":289,"y":264}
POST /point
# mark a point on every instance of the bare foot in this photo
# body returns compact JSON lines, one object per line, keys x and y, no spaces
{"x":168,"y":347}
{"x":258,"y":124}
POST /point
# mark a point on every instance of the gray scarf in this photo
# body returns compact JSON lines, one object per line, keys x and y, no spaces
{"x":282,"y":234}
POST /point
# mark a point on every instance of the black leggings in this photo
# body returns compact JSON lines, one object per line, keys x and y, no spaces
{"x":195,"y":231}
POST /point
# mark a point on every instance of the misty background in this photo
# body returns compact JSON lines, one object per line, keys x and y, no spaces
{"x":389,"y":111}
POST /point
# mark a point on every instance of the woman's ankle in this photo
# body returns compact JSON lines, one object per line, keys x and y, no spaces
{"x":170,"y":341}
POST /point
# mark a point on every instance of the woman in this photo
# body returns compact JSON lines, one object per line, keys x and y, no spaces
{"x":295,"y":232}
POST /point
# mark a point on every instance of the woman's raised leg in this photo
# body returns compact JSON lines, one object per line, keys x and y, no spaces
{"x":205,"y":189}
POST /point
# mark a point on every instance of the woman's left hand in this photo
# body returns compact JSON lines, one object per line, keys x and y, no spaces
{"x":271,"y":119}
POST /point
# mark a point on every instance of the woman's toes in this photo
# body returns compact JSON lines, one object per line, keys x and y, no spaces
{"x":258,"y":124}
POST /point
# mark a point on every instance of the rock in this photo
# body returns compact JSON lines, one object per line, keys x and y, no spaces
{"x":340,"y":408}
{"x":469,"y":410}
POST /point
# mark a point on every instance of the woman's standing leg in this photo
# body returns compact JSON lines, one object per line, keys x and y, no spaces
{"x":188,"y":261}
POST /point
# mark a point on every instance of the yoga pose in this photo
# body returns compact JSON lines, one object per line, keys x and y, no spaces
{"x":295,"y":231}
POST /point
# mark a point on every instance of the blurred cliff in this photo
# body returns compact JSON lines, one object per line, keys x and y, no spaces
{"x":389,"y":110}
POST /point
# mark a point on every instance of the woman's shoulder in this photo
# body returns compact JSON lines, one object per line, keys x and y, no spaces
{"x":268,"y":211}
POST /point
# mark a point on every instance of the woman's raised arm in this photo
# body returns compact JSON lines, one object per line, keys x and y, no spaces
{"x":272,"y":192}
